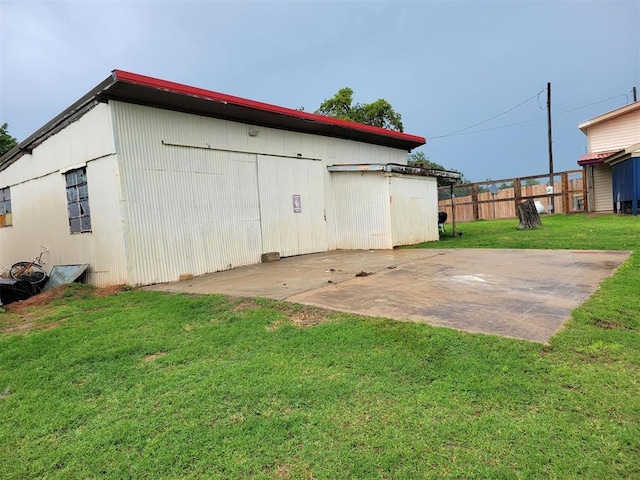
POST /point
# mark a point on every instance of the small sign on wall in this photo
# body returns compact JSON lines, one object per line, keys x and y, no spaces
{"x":297,"y":204}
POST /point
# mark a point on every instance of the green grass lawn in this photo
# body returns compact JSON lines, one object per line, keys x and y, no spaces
{"x":146,"y":385}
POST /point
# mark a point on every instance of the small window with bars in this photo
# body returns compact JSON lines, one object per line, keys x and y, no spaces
{"x":78,"y":201}
{"x":6,"y":218}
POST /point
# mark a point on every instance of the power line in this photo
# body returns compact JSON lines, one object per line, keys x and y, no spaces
{"x":489,"y":129}
{"x":458,"y":132}
{"x":594,"y":103}
{"x":489,"y":119}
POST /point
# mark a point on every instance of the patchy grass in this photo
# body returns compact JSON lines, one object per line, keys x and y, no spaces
{"x":148,"y":385}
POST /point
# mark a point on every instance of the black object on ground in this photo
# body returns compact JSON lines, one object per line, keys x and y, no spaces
{"x":363,"y":274}
{"x":15,"y":290}
{"x":442,"y":218}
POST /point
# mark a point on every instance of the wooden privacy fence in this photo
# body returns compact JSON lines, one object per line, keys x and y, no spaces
{"x":498,"y":198}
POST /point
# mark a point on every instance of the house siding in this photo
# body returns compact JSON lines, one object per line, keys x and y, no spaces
{"x":618,"y":132}
{"x":600,"y":188}
{"x":39,"y":204}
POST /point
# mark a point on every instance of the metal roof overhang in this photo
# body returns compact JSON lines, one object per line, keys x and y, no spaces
{"x":596,"y":158}
{"x":624,"y":154}
{"x":142,"y":90}
{"x":448,"y":175}
{"x":212,"y":107}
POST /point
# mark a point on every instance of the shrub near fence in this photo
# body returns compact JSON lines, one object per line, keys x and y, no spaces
{"x":474,"y":201}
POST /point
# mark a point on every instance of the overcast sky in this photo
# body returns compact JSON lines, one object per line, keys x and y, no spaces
{"x":444,"y":65}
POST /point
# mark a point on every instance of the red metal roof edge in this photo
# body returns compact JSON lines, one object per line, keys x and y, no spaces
{"x":123,"y":76}
{"x":597,"y":157}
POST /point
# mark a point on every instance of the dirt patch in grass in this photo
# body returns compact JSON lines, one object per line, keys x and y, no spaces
{"x":244,"y":304}
{"x":609,"y":324}
{"x":309,"y":317}
{"x":21,"y":324}
{"x":25,"y":315}
{"x":283,"y":472}
{"x":153,"y":356}
{"x":63,"y":291}
{"x":300,"y":316}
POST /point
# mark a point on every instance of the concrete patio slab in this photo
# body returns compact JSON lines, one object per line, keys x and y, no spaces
{"x":525,"y":294}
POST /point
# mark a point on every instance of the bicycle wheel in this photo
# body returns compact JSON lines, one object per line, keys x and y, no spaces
{"x":27,"y":271}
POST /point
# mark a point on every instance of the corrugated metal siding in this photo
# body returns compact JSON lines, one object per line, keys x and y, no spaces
{"x":414,"y":210}
{"x":363,"y":216}
{"x":602,"y":188}
{"x":626,"y":181}
{"x":618,"y":132}
{"x":193,"y":209}
{"x":39,"y":203}
{"x":284,"y":229}
{"x":189,"y":210}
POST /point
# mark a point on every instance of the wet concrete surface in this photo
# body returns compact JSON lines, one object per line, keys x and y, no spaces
{"x":525,"y":294}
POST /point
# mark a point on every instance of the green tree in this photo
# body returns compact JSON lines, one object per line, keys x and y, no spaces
{"x":418,"y":157}
{"x":378,"y":114}
{"x":7,"y":142}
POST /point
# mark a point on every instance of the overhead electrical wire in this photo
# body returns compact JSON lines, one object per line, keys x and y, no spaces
{"x":488,"y":129}
{"x":594,"y":103}
{"x":489,"y":119}
{"x":461,"y":132}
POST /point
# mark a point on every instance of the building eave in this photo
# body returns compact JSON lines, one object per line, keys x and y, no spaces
{"x":624,"y":154}
{"x":584,"y":126}
{"x":447,"y":175}
{"x":143,"y":90}
{"x":594,"y":158}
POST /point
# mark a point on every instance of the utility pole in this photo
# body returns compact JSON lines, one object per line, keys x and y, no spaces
{"x":550,"y":145}
{"x":635,"y":94}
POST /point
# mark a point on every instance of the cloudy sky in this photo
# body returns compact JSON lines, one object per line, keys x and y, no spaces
{"x":444,"y":65}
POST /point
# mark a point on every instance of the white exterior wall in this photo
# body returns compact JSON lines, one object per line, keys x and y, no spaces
{"x":414,"y":209}
{"x":185,"y":173}
{"x":39,"y":204}
{"x":619,"y":132}
{"x":287,"y":228}
{"x":600,"y":188}
{"x":363,"y":213}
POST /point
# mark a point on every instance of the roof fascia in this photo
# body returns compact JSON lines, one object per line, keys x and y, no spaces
{"x":608,"y":116}
{"x":67,"y":116}
{"x":179,"y":88}
{"x":630,"y":151}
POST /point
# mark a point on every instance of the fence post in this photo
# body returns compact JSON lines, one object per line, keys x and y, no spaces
{"x":474,"y":199}
{"x":517,"y":192}
{"x":585,"y":198}
{"x":567,"y":206}
{"x":453,"y":211}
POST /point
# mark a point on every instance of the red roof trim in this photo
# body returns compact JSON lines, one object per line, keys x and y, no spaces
{"x":144,"y":80}
{"x":597,"y":157}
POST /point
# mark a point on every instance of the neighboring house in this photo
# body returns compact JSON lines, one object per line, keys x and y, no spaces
{"x":147,"y":180}
{"x":612,"y":163}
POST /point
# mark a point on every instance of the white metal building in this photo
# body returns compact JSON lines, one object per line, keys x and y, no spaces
{"x":147,"y":180}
